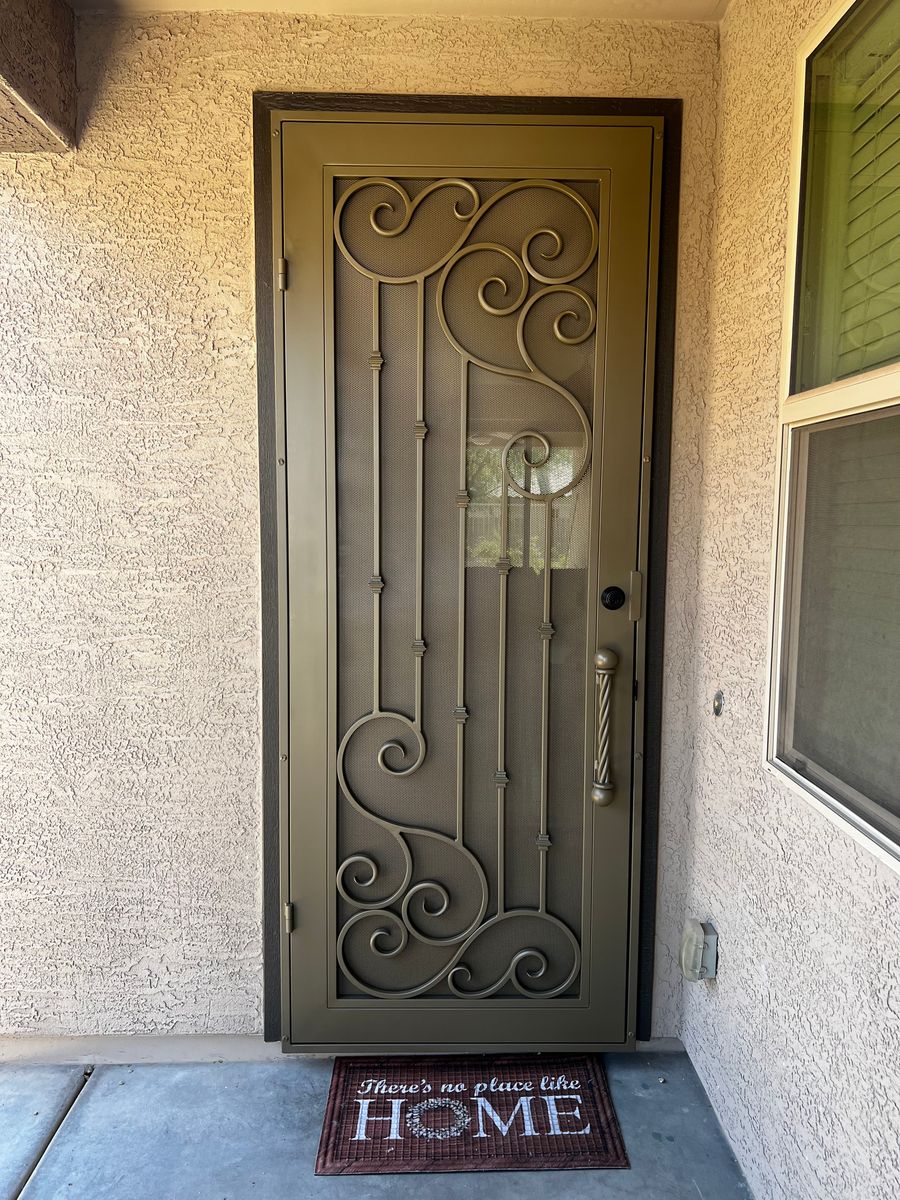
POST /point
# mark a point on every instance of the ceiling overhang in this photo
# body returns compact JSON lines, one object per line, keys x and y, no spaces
{"x":646,"y":10}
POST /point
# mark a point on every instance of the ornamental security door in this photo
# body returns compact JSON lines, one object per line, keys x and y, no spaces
{"x":465,"y":306}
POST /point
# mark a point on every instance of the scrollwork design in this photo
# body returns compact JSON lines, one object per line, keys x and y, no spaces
{"x":531,"y":373}
{"x":410,"y":206}
{"x":455,"y":973}
{"x":399,"y":912}
{"x":404,"y":894}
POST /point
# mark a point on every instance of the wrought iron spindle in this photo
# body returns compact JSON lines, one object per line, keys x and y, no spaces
{"x":462,"y":502}
{"x":421,"y":430}
{"x":501,"y":778}
{"x":376,"y":583}
{"x":546,"y":631}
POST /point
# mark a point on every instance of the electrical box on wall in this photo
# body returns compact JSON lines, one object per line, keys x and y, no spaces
{"x":699,"y":951}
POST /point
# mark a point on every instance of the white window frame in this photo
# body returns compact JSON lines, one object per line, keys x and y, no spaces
{"x":867,"y":392}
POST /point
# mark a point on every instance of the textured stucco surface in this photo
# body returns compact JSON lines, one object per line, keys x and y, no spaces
{"x":798,"y":1042}
{"x":37,"y":75}
{"x":129,"y":640}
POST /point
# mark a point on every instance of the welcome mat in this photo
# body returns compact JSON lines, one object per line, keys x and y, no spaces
{"x":475,"y":1113}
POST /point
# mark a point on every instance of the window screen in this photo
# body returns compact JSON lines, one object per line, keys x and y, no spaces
{"x":840,"y":693}
{"x":848,"y":298}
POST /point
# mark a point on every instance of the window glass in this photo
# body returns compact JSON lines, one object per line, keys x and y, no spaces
{"x":840,"y":696}
{"x":848,"y":298}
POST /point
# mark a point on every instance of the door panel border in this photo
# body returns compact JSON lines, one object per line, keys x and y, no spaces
{"x":268,"y":109}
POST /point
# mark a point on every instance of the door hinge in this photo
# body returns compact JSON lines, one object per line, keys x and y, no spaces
{"x":282,"y":274}
{"x":288,"y":917}
{"x":636,"y":596}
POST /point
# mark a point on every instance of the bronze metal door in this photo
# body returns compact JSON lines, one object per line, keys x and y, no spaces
{"x":465,"y":305}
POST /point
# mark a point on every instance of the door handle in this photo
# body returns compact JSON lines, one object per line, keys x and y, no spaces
{"x":605,"y":663}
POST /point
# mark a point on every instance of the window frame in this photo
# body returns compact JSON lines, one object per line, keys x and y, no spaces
{"x":856,"y":395}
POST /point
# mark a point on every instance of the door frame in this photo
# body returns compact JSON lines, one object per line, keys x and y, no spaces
{"x":267,"y":108}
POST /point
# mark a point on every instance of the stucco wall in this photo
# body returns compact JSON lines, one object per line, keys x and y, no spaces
{"x":798,"y":1042}
{"x":37,"y":75}
{"x":129,"y":640}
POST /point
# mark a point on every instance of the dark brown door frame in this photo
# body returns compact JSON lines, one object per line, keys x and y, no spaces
{"x":671,"y":112}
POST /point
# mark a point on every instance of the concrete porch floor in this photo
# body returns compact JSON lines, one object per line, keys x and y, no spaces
{"x":242,"y":1130}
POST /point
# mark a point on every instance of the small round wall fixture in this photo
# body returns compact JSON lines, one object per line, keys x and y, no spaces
{"x":718,"y":703}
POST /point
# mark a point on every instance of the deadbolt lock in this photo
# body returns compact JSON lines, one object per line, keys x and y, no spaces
{"x":612,"y":597}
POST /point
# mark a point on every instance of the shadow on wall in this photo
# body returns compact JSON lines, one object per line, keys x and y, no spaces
{"x":93,"y":65}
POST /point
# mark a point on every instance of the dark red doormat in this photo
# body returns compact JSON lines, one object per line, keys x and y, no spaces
{"x":391,"y":1116}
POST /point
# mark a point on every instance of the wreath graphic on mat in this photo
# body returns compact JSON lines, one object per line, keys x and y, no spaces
{"x":414,"y":1119}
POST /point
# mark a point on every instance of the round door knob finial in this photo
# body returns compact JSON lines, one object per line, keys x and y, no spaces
{"x":602,"y":796}
{"x":606,"y":660}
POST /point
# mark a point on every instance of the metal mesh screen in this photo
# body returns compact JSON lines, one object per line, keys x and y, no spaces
{"x":461,"y":783}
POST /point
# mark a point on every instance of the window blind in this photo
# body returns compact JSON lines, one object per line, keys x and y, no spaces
{"x":869,"y":320}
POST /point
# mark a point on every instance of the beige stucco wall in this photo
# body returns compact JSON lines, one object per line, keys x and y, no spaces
{"x":129,"y":639}
{"x":798,"y":1042}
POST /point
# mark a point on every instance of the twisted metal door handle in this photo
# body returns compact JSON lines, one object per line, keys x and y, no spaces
{"x":605,"y":663}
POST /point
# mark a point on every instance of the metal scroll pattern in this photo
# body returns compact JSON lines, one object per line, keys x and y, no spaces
{"x":390,"y":920}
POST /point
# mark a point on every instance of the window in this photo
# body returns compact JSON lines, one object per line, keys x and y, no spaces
{"x":848,"y":316}
{"x":835,"y":684}
{"x":840,"y":692}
